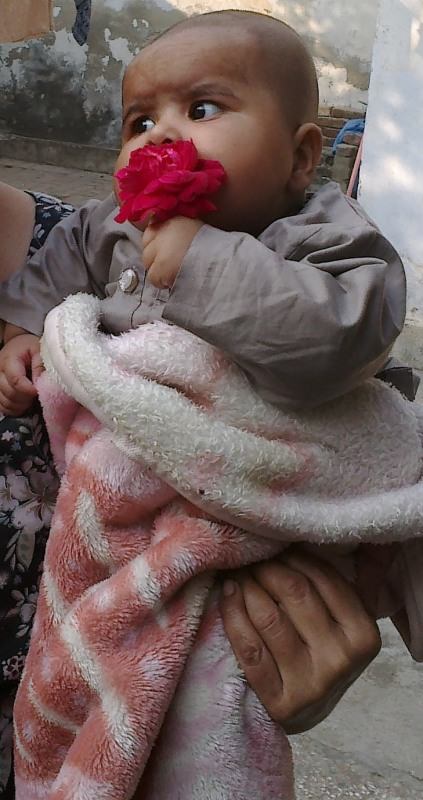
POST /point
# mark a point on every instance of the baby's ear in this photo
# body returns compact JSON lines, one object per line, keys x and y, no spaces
{"x":307,"y":149}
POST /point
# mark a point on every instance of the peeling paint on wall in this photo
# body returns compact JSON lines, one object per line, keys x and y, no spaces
{"x":54,"y":89}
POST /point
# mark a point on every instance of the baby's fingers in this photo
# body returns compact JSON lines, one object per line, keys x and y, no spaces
{"x":149,"y":230}
{"x":12,"y":403}
{"x":149,"y":255}
{"x":37,"y":366}
{"x":15,"y":373}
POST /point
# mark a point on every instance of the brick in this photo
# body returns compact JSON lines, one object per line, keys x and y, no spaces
{"x":330,"y":133}
{"x":348,"y":113}
{"x":327,"y":141}
{"x":346,"y":151}
{"x":329,"y":122}
{"x":353,"y":138}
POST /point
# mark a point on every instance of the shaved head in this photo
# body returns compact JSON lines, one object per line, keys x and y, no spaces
{"x":242,"y":87}
{"x":282,"y":59}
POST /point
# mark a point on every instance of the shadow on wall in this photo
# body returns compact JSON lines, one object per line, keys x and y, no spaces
{"x":340,"y":35}
{"x":55,"y":89}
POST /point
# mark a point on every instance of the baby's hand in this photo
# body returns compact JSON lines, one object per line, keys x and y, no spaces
{"x":164,"y":248}
{"x":19,"y":358}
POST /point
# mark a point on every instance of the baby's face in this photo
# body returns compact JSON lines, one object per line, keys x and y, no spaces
{"x":204,"y":85}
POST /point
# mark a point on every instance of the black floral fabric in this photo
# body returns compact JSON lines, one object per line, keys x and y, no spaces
{"x":48,"y":211}
{"x":28,"y":490}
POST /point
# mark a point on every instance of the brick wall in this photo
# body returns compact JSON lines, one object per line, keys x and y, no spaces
{"x":339,"y":167}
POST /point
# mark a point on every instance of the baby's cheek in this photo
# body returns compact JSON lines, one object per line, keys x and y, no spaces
{"x":123,"y":157}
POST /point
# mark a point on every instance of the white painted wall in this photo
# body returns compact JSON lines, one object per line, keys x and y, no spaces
{"x":340,"y":34}
{"x":78,"y":88}
{"x":392,"y":171}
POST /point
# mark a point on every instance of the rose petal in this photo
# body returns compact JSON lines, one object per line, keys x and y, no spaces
{"x":165,"y":180}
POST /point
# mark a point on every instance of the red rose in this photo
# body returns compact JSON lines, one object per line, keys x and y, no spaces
{"x":165,"y":180}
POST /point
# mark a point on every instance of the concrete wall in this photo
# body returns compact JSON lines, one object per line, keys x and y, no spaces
{"x":55,"y":89}
{"x":392,"y":172}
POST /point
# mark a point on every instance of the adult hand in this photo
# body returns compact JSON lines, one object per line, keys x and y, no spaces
{"x":300,"y":634}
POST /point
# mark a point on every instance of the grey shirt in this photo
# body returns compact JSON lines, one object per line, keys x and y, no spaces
{"x":308,"y":310}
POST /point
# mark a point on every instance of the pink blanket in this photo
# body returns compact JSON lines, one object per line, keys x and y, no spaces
{"x":172,"y":469}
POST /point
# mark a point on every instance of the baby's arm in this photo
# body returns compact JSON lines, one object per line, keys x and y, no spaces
{"x":20,"y":365}
{"x":308,"y":312}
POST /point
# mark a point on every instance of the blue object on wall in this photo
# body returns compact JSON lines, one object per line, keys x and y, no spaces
{"x":352,"y":126}
{"x":82,"y":23}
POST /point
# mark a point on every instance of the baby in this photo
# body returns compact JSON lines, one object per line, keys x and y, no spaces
{"x":306,"y":297}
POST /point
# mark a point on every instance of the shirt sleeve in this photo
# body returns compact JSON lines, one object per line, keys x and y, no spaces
{"x":63,"y":266}
{"x":307,"y":313}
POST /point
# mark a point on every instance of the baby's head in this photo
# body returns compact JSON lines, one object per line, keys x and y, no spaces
{"x":243,"y":87}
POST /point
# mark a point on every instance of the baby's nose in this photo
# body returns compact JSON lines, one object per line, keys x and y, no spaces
{"x":164,"y":132}
{"x":155,"y":137}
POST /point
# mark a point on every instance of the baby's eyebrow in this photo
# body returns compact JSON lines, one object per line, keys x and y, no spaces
{"x":204,"y":89}
{"x":196,"y":91}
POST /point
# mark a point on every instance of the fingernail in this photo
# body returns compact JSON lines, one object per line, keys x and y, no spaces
{"x":229,"y":588}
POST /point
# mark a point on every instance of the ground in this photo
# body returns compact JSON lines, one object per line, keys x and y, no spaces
{"x":372,"y":744}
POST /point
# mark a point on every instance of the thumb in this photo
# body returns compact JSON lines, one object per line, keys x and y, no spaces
{"x":146,"y":224}
{"x":37,"y":366}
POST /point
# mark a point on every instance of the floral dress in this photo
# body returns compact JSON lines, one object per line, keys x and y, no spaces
{"x":28,"y":488}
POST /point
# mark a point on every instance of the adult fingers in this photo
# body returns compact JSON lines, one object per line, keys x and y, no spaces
{"x":291,"y":588}
{"x":297,"y":682}
{"x":338,"y":635}
{"x":344,"y":610}
{"x":269,"y":618}
{"x":298,"y":662}
{"x":317,"y":650}
{"x":256,"y":662}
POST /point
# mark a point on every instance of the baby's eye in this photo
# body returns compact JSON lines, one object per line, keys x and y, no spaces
{"x":143,"y":124}
{"x":204,"y":110}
